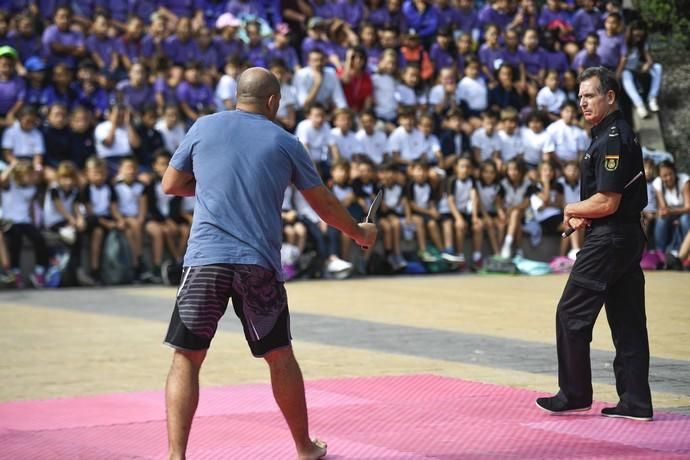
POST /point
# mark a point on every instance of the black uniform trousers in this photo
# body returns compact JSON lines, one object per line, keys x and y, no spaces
{"x":607,"y":271}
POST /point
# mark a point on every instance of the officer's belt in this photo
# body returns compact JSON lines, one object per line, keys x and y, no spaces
{"x":617,"y":220}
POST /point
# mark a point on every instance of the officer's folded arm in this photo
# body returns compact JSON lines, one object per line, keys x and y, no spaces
{"x":599,"y":205}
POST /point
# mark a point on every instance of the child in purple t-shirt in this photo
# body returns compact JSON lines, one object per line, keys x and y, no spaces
{"x":102,"y":48}
{"x":131,"y":43}
{"x":612,"y":49}
{"x":26,"y":40}
{"x":181,"y":48}
{"x":11,"y":89}
{"x":534,"y":62}
{"x":89,"y":93}
{"x":443,"y":50}
{"x":136,"y":92}
{"x":280,"y":48}
{"x":257,"y":52}
{"x":195,"y":97}
{"x":61,"y":90}
{"x":153,"y":42}
{"x":587,"y":56}
{"x":209,"y":55}
{"x":489,"y":53}
{"x":60,"y":42}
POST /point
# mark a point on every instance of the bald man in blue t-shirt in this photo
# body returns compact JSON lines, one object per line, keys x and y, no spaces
{"x":238,"y":165}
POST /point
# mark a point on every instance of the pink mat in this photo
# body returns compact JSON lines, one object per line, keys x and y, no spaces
{"x":408,"y":417}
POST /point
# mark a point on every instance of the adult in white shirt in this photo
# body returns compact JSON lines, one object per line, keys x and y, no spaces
{"x":373,"y":141}
{"x":673,"y":203}
{"x":317,"y":83}
{"x":569,"y":139}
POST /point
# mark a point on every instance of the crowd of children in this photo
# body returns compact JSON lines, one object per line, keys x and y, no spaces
{"x":463,"y":112}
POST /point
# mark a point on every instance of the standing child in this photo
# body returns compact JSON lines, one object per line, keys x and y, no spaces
{"x":613,"y":49}
{"x":516,"y":201}
{"x":491,"y":196}
{"x":391,"y":214}
{"x":130,"y":209}
{"x":570,"y":180}
{"x":23,"y":140}
{"x":98,"y":197}
{"x":343,"y":190}
{"x":19,"y":194}
{"x":422,"y":210}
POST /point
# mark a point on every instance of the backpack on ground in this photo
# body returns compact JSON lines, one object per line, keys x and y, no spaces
{"x":116,"y":260}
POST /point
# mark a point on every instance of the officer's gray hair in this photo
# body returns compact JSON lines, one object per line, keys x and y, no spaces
{"x":607,"y":79}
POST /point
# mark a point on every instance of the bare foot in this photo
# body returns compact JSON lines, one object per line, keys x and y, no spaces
{"x":316,"y":451}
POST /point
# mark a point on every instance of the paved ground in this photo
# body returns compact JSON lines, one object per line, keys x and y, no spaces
{"x":492,"y":329}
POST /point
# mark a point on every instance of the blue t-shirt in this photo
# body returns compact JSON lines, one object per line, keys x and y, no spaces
{"x":242,"y":163}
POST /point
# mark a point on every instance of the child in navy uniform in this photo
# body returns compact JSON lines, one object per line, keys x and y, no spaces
{"x":19,"y":194}
{"x":422,"y":210}
{"x":491,"y":194}
{"x":463,"y":202}
{"x":345,"y":193}
{"x":546,"y":201}
{"x":130,"y":209}
{"x":98,"y":197}
{"x":165,"y":226}
{"x":391,"y":213}
{"x":570,"y":180}
{"x":61,"y":214}
{"x":515,"y":186}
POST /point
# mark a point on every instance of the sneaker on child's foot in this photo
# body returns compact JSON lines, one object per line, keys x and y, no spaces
{"x":505,"y":252}
{"x":653,"y":104}
{"x":572,"y":254}
{"x":84,"y":279}
{"x":37,"y":278}
{"x":337,"y":264}
{"x":449,"y":256}
{"x":7,"y":278}
{"x":641,"y":111}
{"x":402,"y":263}
{"x":426,"y":256}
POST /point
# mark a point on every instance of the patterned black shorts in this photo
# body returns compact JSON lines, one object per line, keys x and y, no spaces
{"x":259,"y":300}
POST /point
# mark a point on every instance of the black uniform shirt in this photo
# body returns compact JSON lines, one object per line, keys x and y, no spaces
{"x":612,"y":160}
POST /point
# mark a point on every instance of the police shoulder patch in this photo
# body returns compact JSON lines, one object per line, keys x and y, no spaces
{"x":611,"y":162}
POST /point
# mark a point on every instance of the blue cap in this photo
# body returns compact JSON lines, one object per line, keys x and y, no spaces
{"x":35,"y":64}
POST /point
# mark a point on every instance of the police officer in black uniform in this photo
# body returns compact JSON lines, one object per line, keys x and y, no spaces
{"x":607,"y":270}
